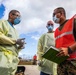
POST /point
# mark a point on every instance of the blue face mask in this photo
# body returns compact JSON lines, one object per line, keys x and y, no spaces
{"x":50,"y":28}
{"x":17,"y":21}
{"x":55,"y":19}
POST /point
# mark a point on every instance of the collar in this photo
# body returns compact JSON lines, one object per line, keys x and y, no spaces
{"x":62,"y":25}
{"x":10,"y":24}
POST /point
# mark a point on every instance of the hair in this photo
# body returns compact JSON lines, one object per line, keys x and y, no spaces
{"x":61,"y":9}
{"x":13,"y":11}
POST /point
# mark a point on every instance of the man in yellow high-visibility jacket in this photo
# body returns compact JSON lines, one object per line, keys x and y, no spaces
{"x":10,"y":45}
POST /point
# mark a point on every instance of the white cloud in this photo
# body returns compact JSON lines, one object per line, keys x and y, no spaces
{"x":1,"y":2}
{"x":35,"y":13}
{"x":35,"y":37}
{"x":33,"y":24}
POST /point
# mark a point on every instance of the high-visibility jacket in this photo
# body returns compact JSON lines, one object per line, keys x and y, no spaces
{"x":65,"y":37}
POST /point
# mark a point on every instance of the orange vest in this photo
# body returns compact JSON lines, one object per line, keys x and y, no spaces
{"x":64,"y":37}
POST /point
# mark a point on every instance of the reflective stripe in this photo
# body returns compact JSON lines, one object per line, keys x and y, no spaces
{"x":66,"y":33}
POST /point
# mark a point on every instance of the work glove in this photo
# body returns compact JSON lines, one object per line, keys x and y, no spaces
{"x":21,"y":43}
{"x":39,"y":62}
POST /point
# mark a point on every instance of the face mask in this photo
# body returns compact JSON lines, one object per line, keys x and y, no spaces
{"x":50,"y":28}
{"x":55,"y":19}
{"x":17,"y":21}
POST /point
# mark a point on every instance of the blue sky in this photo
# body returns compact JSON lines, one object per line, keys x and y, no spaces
{"x":34,"y":16}
{"x":2,"y":9}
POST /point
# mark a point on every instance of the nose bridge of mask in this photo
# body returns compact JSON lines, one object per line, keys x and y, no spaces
{"x":50,"y":27}
{"x":55,"y":19}
{"x":18,"y":18}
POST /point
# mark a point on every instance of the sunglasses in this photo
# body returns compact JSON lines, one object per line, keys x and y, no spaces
{"x":15,"y":15}
{"x":50,"y":24}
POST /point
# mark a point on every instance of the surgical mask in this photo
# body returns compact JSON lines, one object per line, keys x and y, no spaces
{"x":55,"y":19}
{"x":17,"y":21}
{"x":50,"y":28}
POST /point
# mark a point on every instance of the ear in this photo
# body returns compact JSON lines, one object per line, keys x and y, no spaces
{"x":10,"y":15}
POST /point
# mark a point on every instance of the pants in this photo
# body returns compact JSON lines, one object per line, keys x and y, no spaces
{"x":34,"y":62}
{"x":42,"y":73}
{"x":8,"y":64}
{"x":66,"y":68}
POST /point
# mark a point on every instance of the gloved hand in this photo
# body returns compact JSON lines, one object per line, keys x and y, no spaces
{"x":39,"y":62}
{"x":21,"y":47}
{"x":21,"y":43}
